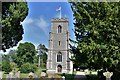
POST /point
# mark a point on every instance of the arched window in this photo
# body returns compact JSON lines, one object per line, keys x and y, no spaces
{"x":59,"y":57}
{"x":59,"y":29}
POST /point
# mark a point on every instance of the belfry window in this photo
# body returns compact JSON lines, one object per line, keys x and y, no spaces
{"x":59,"y":57}
{"x":59,"y":43}
{"x":59,"y":29}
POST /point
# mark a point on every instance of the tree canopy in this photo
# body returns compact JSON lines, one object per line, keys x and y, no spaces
{"x":25,"y":53}
{"x":13,"y":13}
{"x":42,"y":52}
{"x":97,"y":31}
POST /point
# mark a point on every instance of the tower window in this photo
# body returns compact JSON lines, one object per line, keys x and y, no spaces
{"x":59,"y":43}
{"x":59,"y":57}
{"x":59,"y":29}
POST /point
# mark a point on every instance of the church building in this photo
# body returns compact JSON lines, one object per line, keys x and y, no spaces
{"x":58,"y":60}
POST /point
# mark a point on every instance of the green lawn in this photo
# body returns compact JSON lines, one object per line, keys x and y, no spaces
{"x":24,"y":75}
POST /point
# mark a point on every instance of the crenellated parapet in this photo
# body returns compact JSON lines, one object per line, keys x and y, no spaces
{"x":59,"y":20}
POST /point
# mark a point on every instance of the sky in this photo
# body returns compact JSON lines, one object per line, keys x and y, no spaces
{"x":37,"y":24}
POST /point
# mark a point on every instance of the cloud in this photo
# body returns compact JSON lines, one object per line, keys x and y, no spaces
{"x":27,"y":21}
{"x":42,"y":24}
{"x":7,"y":50}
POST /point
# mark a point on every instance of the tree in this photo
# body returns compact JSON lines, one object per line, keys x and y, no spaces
{"x":25,"y":53}
{"x":27,"y":68}
{"x":42,"y":50}
{"x":97,"y":31}
{"x":6,"y":66}
{"x":5,"y":57}
{"x":13,"y":13}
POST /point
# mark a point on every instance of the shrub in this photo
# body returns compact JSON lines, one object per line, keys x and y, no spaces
{"x":27,"y":67}
{"x":6,"y":66}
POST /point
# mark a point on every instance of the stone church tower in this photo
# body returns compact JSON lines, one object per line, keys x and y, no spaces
{"x":58,"y":54}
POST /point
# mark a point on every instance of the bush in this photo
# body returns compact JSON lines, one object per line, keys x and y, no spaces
{"x":6,"y":66}
{"x":27,"y":67}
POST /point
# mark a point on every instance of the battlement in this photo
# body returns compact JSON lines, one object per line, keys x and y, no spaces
{"x":58,"y":19}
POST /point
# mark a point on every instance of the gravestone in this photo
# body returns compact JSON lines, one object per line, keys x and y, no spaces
{"x":17,"y":74}
{"x":11,"y":76}
{"x":32,"y":75}
{"x":63,"y":77}
{"x":108,"y":75}
{"x":43,"y":74}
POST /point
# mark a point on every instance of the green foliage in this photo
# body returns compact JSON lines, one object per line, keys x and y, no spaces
{"x":42,"y":52}
{"x":26,"y":53}
{"x":6,"y":66}
{"x":13,"y":13}
{"x":27,"y":67}
{"x":97,"y":31}
{"x":5,"y":57}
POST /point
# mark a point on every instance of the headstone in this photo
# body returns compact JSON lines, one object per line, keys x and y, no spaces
{"x":10,"y":75}
{"x":1,"y":74}
{"x":108,"y":75}
{"x":43,"y":74}
{"x":17,"y":74}
{"x":63,"y":77}
{"x":86,"y":71}
{"x":30,"y":75}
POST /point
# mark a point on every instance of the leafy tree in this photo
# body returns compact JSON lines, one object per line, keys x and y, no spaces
{"x":13,"y":13}
{"x":27,"y":67}
{"x":42,"y":50}
{"x":25,"y":53}
{"x":97,"y":31}
{"x":6,"y":66}
{"x":5,"y":57}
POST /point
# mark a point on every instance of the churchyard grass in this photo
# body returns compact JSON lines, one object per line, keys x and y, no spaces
{"x":24,"y":75}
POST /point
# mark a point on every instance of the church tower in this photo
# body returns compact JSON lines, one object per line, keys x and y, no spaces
{"x":58,"y":53}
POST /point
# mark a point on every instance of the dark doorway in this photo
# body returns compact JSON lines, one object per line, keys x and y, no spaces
{"x":59,"y":68}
